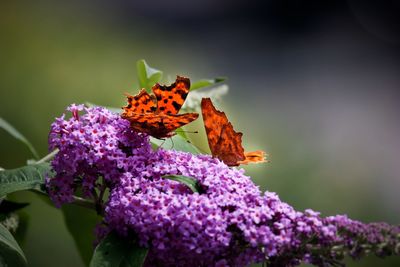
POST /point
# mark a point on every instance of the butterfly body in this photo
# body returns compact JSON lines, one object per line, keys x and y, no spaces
{"x":224,"y":142}
{"x":156,"y":114}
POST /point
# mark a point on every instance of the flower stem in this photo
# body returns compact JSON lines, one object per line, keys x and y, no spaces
{"x":48,"y":156}
{"x":77,"y":200}
{"x":84,"y":203}
{"x":99,"y":202}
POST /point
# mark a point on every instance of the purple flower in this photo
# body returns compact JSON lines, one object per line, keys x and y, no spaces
{"x":230,"y":222}
{"x":93,"y":145}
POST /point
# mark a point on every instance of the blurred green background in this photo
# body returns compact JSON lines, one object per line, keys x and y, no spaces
{"x":314,"y":84}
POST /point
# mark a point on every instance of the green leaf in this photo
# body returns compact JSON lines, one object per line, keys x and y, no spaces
{"x":112,"y":109}
{"x":176,"y":142}
{"x":12,"y":131}
{"x":206,"y":83}
{"x":188,"y":181}
{"x":147,"y":75}
{"x":115,"y":251}
{"x":136,"y":257}
{"x":24,"y":178}
{"x":182,"y":133}
{"x":10,"y":252}
{"x":80,"y":223}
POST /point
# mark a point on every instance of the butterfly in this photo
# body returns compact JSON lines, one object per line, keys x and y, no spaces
{"x":224,"y":142}
{"x":157,"y":115}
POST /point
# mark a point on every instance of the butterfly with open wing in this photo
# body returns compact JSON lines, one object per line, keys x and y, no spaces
{"x":224,"y":142}
{"x":157,"y":115}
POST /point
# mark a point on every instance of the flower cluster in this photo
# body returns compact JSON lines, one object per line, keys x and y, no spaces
{"x":229,"y":222}
{"x":92,"y":146}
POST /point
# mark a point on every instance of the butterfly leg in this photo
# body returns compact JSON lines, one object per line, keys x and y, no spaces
{"x":163,"y":142}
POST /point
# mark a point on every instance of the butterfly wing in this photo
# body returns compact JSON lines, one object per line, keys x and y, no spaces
{"x":254,"y":157}
{"x":229,"y":146}
{"x":214,"y":121}
{"x":173,"y":122}
{"x":142,"y":122}
{"x":171,"y":98}
{"x":159,"y":119}
{"x":140,"y":103}
{"x":224,"y":142}
{"x":159,"y":125}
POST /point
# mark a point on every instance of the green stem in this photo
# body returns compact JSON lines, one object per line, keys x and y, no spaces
{"x":84,"y":203}
{"x":77,"y":200}
{"x":99,"y":200}
{"x":102,"y":190}
{"x":48,"y":156}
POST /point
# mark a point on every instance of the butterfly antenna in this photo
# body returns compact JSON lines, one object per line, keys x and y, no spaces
{"x":172,"y":143}
{"x":183,"y":131}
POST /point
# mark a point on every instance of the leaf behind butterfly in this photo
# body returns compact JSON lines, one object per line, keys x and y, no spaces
{"x":207,"y":83}
{"x":147,"y":75}
{"x":176,"y":142}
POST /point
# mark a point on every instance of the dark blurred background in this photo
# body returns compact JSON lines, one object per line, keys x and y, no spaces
{"x":314,"y":83}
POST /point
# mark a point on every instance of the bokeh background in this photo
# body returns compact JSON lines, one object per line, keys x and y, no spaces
{"x":314,"y":83}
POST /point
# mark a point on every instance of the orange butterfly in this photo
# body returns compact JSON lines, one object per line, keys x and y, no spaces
{"x":224,"y":142}
{"x":157,"y":115}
